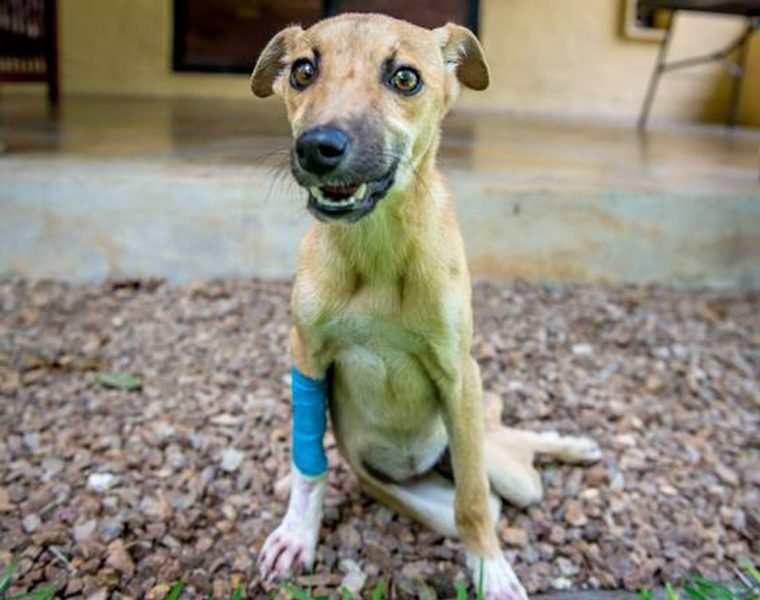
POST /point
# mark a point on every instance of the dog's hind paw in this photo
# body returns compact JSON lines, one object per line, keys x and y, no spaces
{"x":580,"y":450}
{"x":499,"y":580}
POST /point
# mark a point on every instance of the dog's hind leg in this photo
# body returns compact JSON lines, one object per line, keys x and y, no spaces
{"x":428,"y":498}
{"x":511,"y":473}
{"x":510,"y":454}
{"x":564,"y":448}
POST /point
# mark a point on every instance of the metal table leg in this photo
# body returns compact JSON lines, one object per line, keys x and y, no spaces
{"x":659,"y":69}
{"x":739,"y":69}
{"x":736,"y":68}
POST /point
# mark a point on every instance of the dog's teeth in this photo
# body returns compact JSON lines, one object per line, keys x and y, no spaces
{"x":319,"y":196}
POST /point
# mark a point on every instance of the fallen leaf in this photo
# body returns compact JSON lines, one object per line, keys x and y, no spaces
{"x":126,"y":382}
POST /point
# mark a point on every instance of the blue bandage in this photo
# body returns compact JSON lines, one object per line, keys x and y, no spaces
{"x":309,"y":424}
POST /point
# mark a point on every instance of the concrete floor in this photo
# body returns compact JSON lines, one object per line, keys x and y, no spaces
{"x":197,"y":189}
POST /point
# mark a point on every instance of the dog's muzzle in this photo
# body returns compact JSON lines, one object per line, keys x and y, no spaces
{"x":351,"y":202}
{"x":341,"y":187}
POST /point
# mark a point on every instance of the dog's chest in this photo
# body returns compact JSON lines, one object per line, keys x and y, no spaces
{"x":387,"y":317}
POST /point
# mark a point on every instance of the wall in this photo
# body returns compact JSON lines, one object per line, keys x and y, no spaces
{"x":567,"y":56}
{"x":124,"y":47}
{"x":562,"y":57}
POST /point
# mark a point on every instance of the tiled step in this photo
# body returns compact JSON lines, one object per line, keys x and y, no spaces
{"x":88,"y":219}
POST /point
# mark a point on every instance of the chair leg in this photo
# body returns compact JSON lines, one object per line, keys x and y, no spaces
{"x":659,"y":68}
{"x":51,"y":52}
{"x":738,"y":74}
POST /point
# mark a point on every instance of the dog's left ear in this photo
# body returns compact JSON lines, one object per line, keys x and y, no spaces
{"x":270,"y":62}
{"x":462,"y":49}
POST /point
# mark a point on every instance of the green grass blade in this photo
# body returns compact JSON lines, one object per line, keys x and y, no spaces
{"x":461,"y":590}
{"x":481,"y":580}
{"x":296,"y":593}
{"x":749,"y":581}
{"x":7,"y":575}
{"x":694,"y":593}
{"x":671,"y":593}
{"x":645,"y":595}
{"x":346,"y":593}
{"x":714,"y":590}
{"x":126,"y":382}
{"x":175,"y":591}
{"x":44,"y":593}
{"x":379,"y":592}
{"x":750,"y":569}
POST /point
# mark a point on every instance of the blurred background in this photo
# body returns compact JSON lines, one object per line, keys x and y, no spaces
{"x":133,"y":146}
{"x":608,"y":189}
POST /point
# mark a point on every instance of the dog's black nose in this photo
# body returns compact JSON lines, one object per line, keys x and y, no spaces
{"x":322,"y":149}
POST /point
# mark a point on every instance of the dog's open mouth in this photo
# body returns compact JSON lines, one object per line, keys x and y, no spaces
{"x":349,"y":202}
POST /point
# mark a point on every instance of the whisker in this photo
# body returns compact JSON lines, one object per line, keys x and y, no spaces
{"x":276,"y":153}
{"x":280,"y":180}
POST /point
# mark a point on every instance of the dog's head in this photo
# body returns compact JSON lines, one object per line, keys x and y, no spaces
{"x":365,"y":95}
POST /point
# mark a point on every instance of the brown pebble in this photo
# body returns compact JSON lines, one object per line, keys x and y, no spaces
{"x":670,"y":399}
{"x":515,"y":536}
{"x":119,"y":558}
{"x":574,"y":514}
{"x":158,"y":592}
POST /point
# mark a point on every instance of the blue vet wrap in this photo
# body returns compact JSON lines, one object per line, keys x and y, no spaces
{"x":309,"y":424}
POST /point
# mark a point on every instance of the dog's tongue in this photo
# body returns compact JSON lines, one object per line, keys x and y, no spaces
{"x":339,"y":192}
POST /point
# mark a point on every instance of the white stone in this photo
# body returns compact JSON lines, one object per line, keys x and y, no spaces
{"x":567,"y":567}
{"x":84,"y":530}
{"x":354,"y":582}
{"x":100,"y":482}
{"x":231,"y":459}
{"x":349,"y":566}
{"x":30,"y":523}
{"x":561,"y":583}
{"x":583,"y":349}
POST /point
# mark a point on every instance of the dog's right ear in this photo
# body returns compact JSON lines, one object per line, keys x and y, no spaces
{"x":462,"y":51}
{"x":270,"y":62}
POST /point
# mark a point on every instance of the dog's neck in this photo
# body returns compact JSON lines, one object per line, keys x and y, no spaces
{"x":385,"y":243}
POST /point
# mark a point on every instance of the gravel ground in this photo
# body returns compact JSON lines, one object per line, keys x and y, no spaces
{"x":103,"y":489}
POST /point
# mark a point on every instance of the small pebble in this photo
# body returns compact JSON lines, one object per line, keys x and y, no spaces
{"x":181,"y":478}
{"x":30,"y":523}
{"x":84,"y":530}
{"x":232,"y":459}
{"x":100,"y":482}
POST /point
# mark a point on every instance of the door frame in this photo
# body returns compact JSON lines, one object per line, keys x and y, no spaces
{"x":329,"y":8}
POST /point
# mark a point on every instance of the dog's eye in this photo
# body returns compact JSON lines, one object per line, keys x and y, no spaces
{"x":406,"y":80}
{"x":302,"y":74}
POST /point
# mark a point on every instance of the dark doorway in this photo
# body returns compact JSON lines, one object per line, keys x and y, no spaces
{"x":227,"y":35}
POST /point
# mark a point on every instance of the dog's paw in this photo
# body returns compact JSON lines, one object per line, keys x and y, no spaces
{"x":288,"y":551}
{"x":581,"y":450}
{"x":499,"y":580}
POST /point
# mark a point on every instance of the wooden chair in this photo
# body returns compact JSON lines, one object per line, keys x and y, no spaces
{"x":29,"y":43}
{"x":749,"y":9}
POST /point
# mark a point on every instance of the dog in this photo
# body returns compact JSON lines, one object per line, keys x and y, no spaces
{"x":382,"y":331}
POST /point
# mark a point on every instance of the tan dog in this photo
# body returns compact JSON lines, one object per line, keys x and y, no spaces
{"x":381,"y":301}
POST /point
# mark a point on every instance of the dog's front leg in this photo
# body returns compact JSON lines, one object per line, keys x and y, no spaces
{"x":464,"y":422}
{"x":292,"y":546}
